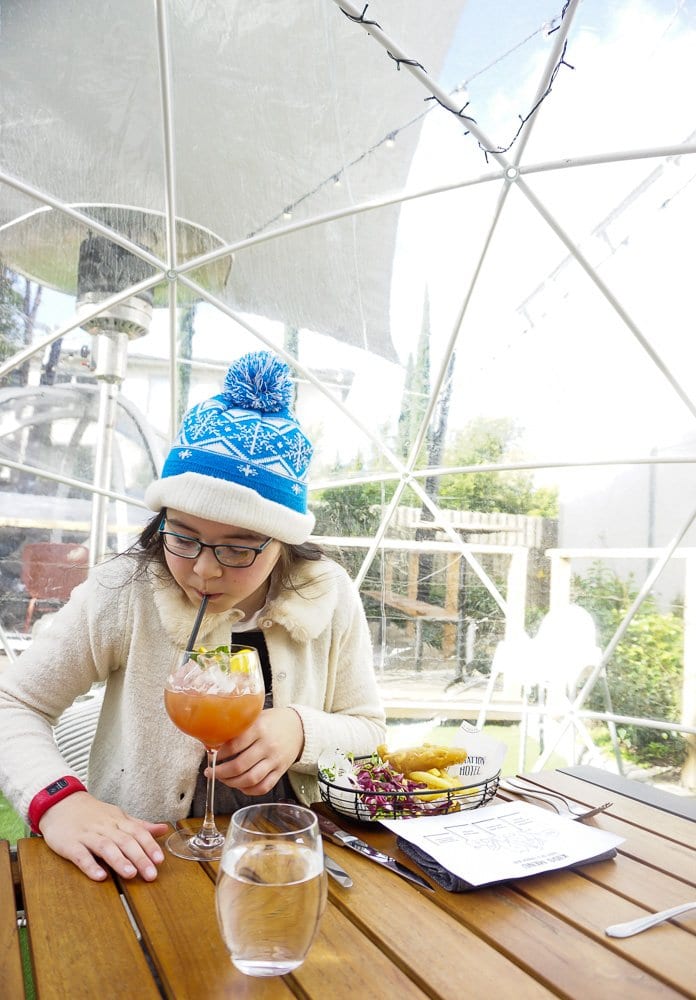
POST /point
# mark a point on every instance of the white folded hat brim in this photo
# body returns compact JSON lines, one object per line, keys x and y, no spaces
{"x":230,"y":503}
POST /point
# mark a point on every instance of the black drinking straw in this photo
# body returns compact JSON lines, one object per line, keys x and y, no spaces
{"x":197,"y":623}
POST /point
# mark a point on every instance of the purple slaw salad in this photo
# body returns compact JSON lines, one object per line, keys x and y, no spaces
{"x":383,"y":792}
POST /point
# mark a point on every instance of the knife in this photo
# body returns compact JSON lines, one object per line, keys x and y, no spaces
{"x":337,"y":836}
{"x":335,"y":870}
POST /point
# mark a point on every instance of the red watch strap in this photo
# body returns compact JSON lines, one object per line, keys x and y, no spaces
{"x":51,"y":794}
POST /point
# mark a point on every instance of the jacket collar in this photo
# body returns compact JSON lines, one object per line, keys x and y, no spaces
{"x":305,"y":609}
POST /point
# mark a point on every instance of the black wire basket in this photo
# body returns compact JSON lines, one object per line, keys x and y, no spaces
{"x":369,"y":806}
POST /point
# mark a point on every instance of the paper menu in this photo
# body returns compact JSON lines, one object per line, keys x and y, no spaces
{"x":501,"y":842}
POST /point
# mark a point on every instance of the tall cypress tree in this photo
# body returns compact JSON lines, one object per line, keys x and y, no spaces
{"x":18,"y":308}
{"x":403,"y":438}
{"x":416,"y":388}
{"x":186,"y":324}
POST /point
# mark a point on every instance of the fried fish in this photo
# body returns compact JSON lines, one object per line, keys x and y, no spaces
{"x":422,"y":758}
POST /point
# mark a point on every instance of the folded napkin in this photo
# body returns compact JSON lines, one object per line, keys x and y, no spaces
{"x":447,"y":879}
{"x":454,"y":883}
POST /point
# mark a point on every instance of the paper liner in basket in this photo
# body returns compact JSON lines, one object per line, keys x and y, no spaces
{"x":484,"y":758}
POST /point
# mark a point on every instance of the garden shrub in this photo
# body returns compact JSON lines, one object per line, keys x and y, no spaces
{"x":645,"y":673}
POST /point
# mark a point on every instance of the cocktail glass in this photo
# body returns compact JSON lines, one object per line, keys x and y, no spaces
{"x":212,"y":694}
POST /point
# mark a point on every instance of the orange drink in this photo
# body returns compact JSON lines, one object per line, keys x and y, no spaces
{"x":212,"y":694}
{"x":212,"y":718}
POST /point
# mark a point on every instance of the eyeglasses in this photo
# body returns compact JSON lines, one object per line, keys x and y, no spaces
{"x":235,"y":556}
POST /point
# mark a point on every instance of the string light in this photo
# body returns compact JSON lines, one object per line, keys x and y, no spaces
{"x":460,"y":92}
{"x":555,"y":22}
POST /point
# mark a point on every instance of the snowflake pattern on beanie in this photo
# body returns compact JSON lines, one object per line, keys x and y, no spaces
{"x":247,"y":434}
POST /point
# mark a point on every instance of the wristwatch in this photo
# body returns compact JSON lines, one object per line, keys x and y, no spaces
{"x":51,"y":794}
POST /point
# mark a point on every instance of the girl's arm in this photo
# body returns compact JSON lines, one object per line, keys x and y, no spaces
{"x":63,"y":661}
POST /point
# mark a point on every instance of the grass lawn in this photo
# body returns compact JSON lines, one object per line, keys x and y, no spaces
{"x":11,"y":825}
{"x":446,"y":734}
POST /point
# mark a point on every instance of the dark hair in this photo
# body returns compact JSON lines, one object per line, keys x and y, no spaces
{"x":148,"y":551}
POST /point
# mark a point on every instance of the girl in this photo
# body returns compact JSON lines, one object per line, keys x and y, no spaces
{"x":231,"y":523}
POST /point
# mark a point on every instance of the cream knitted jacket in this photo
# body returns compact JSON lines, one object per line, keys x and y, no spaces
{"x":124,"y":630}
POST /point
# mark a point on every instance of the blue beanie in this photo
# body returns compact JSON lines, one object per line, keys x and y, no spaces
{"x":241,"y":458}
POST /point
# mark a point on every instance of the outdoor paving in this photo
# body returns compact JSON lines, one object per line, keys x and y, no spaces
{"x":422,"y":694}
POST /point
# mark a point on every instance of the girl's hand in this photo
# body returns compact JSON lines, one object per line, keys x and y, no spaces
{"x":256,"y":759}
{"x":83,"y":829}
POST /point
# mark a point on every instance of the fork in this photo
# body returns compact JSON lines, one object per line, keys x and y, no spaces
{"x":642,"y":923}
{"x":562,"y":805}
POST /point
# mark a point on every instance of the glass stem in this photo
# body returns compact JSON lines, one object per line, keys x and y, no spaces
{"x":208,"y":831}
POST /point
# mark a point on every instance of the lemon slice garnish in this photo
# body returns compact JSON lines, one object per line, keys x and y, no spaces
{"x":232,"y":663}
{"x":242,"y":662}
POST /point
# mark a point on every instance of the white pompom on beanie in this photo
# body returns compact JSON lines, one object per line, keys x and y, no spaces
{"x":241,"y":458}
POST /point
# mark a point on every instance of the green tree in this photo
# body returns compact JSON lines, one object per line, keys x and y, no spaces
{"x":489,"y":441}
{"x":11,"y":327}
{"x":19,"y":303}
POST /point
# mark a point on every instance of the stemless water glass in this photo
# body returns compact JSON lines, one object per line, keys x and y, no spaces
{"x":271,"y":887}
{"x":213,"y":695}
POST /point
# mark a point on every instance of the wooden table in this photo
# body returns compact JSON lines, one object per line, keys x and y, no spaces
{"x":383,"y":938}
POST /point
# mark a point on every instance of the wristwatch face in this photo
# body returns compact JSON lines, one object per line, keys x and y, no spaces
{"x":56,"y":786}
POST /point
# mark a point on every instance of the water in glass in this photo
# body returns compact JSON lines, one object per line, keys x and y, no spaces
{"x":271,"y":888}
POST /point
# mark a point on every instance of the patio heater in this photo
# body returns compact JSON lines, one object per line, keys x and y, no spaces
{"x":104,"y":269}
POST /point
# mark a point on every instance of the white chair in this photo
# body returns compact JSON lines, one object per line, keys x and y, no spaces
{"x":552,"y":663}
{"x":512,"y":661}
{"x":564,"y":648}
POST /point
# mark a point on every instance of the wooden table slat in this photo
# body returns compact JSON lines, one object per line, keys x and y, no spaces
{"x":640,"y":886}
{"x":591,"y":907}
{"x":93,"y":937}
{"x":375,"y":904}
{"x":331,"y":965}
{"x":176,"y":916}
{"x":545,"y":941}
{"x":672,"y":799}
{"x":668,"y":856}
{"x":11,"y":977}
